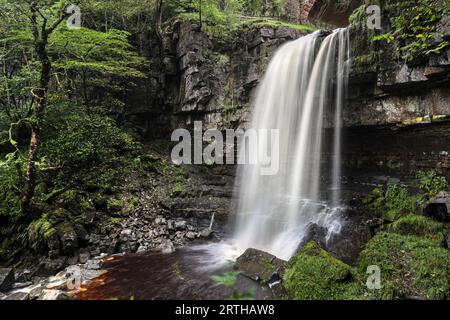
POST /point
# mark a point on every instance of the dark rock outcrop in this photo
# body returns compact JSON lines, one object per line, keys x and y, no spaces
{"x":260,"y":266}
{"x":323,"y":11}
{"x":6,"y":279}
{"x":438,"y":207}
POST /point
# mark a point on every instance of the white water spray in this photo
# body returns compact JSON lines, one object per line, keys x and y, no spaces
{"x":299,"y":84}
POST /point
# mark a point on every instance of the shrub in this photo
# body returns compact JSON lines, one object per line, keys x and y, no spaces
{"x":431,"y":182}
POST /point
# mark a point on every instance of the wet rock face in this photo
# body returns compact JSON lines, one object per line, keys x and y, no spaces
{"x":347,"y":245}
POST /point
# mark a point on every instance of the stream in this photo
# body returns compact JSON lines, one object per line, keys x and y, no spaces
{"x":184,"y":274}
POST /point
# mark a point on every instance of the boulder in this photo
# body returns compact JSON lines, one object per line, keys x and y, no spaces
{"x":260,"y":266}
{"x":354,"y":233}
{"x":438,"y":207}
{"x":6,"y":279}
{"x":68,"y":238}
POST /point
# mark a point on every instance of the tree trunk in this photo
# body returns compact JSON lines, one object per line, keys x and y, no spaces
{"x":35,"y":141}
{"x":159,"y":19}
{"x":200,"y":14}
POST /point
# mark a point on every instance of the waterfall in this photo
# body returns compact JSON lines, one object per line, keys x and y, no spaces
{"x":305,"y":79}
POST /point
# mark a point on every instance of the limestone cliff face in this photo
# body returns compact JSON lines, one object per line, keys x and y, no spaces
{"x":215,"y":82}
{"x":396,"y":119}
{"x":398,"y":114}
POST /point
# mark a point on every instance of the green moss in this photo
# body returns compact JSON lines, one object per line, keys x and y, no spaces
{"x":410,"y":266}
{"x":419,"y":226}
{"x":267,"y":263}
{"x":278,"y":23}
{"x":114,"y":205}
{"x":38,"y":231}
{"x":314,"y":274}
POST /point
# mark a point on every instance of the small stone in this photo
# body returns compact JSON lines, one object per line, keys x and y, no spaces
{"x":206,"y":233}
{"x":17,"y":296}
{"x":23,"y":275}
{"x":141,"y":249}
{"x":180,"y":224}
{"x":93,"y":264}
{"x":88,"y":275}
{"x":53,"y":295}
{"x":191,"y":235}
{"x":171,"y":225}
{"x":60,"y":284}
{"x":83,"y":257}
{"x":166,"y":246}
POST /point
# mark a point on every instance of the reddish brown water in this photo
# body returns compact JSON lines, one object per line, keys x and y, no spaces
{"x":181,"y":275}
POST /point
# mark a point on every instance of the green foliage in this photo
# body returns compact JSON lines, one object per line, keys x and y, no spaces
{"x":419,"y":226}
{"x":314,"y":274}
{"x":81,"y":143}
{"x":358,"y":15}
{"x":10,"y":188}
{"x":103,"y":53}
{"x":228,"y":279}
{"x":431,"y":182}
{"x":398,"y":201}
{"x":410,"y":265}
{"x":394,"y":202}
{"x":414,"y":28}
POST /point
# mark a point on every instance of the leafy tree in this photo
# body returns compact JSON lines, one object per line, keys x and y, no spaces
{"x":43,"y":61}
{"x":94,"y":61}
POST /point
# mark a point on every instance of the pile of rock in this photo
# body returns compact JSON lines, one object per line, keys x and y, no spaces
{"x":24,"y":286}
{"x":161,"y":234}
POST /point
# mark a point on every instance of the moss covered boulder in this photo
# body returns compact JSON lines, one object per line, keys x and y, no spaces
{"x":313,"y":274}
{"x":411,"y":267}
{"x":419,"y":226}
